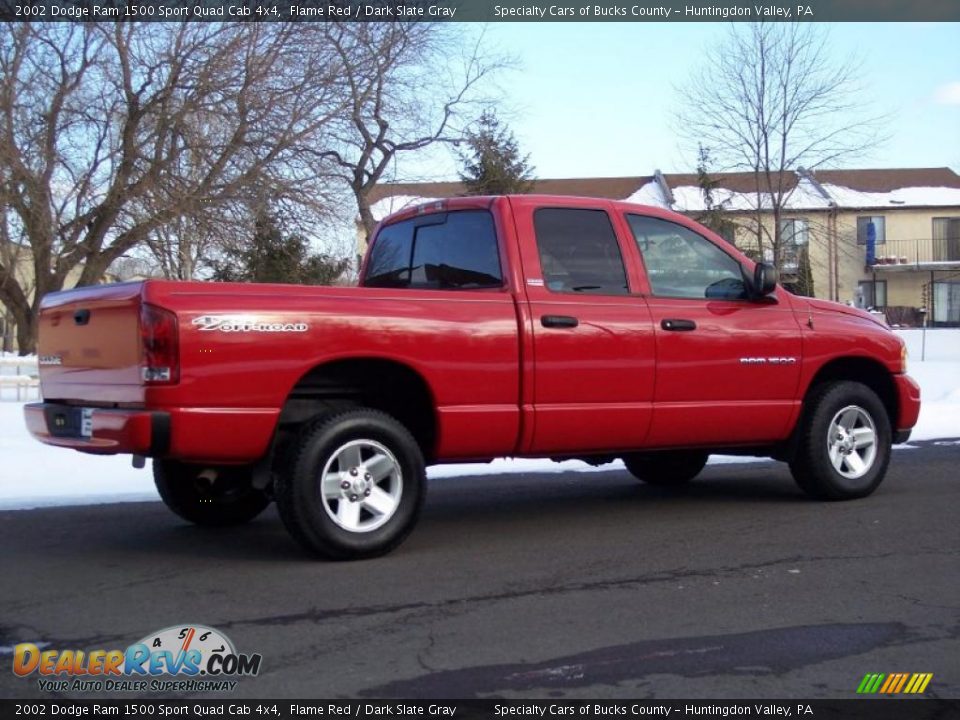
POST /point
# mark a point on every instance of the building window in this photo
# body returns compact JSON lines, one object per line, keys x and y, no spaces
{"x":879,"y":227}
{"x":874,"y":293}
{"x":794,"y":231}
{"x":946,"y":239}
{"x":794,"y":237}
{"x":946,"y":302}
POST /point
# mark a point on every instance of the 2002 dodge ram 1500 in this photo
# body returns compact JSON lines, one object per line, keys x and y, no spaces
{"x":482,"y":327}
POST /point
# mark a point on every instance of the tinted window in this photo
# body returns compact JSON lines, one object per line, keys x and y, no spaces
{"x":389,"y":264}
{"x":680,"y":263}
{"x":579,"y":251}
{"x":443,"y":251}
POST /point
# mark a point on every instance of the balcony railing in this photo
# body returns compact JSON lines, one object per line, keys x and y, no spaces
{"x":925,"y":251}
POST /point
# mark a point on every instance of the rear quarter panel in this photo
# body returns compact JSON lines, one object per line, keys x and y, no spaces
{"x":464,"y":344}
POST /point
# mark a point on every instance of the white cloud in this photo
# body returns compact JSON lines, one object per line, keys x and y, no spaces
{"x":947,"y":94}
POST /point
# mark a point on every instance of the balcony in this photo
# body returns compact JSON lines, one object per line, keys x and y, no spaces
{"x":922,"y":254}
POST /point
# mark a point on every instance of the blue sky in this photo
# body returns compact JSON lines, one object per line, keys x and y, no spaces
{"x":596,"y":99}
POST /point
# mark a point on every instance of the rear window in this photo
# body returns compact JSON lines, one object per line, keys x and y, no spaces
{"x":443,"y":251}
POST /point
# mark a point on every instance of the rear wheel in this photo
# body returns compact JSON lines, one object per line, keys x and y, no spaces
{"x":666,"y":468}
{"x":353,"y":486}
{"x":208,"y":495}
{"x":844,"y":444}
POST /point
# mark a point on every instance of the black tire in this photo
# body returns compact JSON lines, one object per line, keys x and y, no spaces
{"x":341,"y":523}
{"x":813,"y":465}
{"x":667,"y":468}
{"x":212,"y":496}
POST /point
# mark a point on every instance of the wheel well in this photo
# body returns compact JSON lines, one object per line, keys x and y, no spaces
{"x":385,"y":385}
{"x":861,"y":370}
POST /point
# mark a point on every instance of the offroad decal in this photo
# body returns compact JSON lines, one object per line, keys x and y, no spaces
{"x":246,"y":323}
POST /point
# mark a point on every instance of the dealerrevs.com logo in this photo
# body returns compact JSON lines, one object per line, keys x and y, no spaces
{"x":181,"y":658}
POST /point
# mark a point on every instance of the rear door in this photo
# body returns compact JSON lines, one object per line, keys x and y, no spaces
{"x":727,"y":366}
{"x":593,"y":343}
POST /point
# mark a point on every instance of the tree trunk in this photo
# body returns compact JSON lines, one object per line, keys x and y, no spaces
{"x":27,"y":326}
{"x":366,"y":216}
{"x":7,"y":339}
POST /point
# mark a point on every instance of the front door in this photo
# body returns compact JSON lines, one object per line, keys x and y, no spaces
{"x":727,"y":366}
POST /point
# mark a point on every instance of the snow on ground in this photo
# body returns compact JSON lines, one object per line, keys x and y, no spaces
{"x":34,"y":475}
{"x":939,"y":379}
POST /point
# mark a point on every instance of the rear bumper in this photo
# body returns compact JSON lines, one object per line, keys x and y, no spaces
{"x":139,"y":432}
{"x":908,"y":402}
{"x":228,"y":435}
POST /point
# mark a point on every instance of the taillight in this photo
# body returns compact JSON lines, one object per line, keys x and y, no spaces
{"x":161,"y":354}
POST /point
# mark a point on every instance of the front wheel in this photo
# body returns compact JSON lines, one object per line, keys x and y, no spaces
{"x":668,"y":468}
{"x":353,"y":486}
{"x":844,"y":443}
{"x":206,"y":495}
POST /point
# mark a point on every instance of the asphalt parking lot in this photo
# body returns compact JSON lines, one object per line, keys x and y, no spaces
{"x":566,"y":585}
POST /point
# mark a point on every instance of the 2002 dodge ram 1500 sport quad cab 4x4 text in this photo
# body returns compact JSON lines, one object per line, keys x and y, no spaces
{"x":483,"y":327}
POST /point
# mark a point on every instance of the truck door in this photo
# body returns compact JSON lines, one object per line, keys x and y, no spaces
{"x":727,"y":367}
{"x":593,"y":343}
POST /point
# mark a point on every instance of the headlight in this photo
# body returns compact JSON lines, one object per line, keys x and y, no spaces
{"x":903,"y":357}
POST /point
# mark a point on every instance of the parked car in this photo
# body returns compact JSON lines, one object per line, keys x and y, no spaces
{"x":482,"y":327}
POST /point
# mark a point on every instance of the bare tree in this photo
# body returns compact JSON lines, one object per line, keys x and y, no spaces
{"x":769,"y":101}
{"x":411,"y":85}
{"x":110,"y":134}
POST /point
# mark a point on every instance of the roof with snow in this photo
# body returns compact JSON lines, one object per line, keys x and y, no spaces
{"x":845,"y":189}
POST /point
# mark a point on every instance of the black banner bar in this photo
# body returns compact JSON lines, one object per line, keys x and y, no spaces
{"x":859,"y":709}
{"x":483,"y":10}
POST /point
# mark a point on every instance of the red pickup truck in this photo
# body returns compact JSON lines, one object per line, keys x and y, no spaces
{"x":521,"y":325}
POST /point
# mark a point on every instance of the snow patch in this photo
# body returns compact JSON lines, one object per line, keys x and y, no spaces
{"x":903,"y":197}
{"x":649,"y":194}
{"x":689,"y":198}
{"x":396,"y":203}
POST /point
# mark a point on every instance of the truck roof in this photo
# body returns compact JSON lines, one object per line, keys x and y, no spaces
{"x":485,"y":201}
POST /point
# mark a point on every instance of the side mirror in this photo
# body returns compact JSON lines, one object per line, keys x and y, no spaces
{"x":764,"y":280}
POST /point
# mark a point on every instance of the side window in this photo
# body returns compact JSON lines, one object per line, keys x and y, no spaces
{"x":389,"y":264}
{"x":682,"y":264}
{"x":579,"y":251}
{"x":437,"y":252}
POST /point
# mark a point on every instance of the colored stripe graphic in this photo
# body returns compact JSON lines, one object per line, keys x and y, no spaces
{"x":919,"y":684}
{"x":870,"y":683}
{"x":894,"y":683}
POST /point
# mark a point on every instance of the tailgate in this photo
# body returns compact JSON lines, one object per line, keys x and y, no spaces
{"x":89,"y":346}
